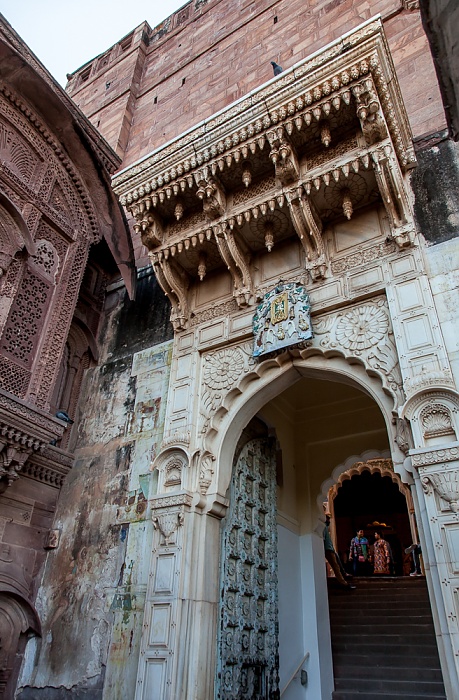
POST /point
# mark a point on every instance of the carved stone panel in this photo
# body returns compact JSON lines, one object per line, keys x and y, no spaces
{"x":248,"y":627}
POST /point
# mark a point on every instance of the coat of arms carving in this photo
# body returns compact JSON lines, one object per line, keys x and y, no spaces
{"x":282,"y":319}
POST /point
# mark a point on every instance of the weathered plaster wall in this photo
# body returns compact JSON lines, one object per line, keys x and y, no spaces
{"x":91,"y":603}
{"x":441,"y":262}
{"x":441,"y":22}
{"x":435,"y":184}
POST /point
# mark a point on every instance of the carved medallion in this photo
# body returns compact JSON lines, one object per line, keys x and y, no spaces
{"x":282,"y":319}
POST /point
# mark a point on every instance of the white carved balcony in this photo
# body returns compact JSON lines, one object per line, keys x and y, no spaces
{"x":321,"y":141}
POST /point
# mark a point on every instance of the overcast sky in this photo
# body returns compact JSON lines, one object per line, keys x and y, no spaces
{"x":65,"y":34}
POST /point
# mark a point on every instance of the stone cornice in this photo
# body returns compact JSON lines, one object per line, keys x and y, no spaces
{"x":51,"y":466}
{"x":25,"y":437}
{"x":312,"y":84}
{"x":34,"y":425}
{"x":318,"y":177}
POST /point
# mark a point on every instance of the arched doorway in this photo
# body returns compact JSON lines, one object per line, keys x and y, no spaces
{"x":318,"y":419}
{"x":371,"y":497}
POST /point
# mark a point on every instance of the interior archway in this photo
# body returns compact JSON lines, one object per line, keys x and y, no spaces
{"x":372,"y":502}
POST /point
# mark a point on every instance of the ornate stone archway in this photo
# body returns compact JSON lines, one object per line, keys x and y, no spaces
{"x":374,"y":465}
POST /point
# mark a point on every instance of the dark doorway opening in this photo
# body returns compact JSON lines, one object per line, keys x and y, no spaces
{"x":373,"y":503}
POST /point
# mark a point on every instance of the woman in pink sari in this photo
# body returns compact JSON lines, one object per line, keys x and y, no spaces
{"x":381,"y":556}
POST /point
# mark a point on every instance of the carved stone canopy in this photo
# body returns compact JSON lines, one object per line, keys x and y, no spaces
{"x":321,"y":140}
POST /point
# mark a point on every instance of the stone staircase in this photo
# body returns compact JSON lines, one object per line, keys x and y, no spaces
{"x":383,"y":641}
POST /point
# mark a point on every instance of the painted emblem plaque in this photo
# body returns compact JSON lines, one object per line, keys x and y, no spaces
{"x":283,"y":318}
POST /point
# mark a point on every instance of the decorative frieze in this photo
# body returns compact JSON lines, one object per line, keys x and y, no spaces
{"x":434,"y":456}
{"x":361,"y":331}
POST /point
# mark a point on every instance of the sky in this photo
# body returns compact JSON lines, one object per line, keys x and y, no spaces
{"x":65,"y":34}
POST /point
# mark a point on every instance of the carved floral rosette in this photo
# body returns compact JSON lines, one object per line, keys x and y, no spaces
{"x":362,"y":331}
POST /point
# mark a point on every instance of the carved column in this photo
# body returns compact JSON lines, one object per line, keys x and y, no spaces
{"x":436,"y":476}
{"x":434,"y":420}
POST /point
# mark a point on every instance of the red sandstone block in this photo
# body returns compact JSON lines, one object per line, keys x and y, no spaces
{"x":246,"y":52}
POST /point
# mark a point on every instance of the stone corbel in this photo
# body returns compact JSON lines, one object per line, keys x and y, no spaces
{"x":308,"y":225}
{"x":12,"y":461}
{"x":174,"y":282}
{"x":446,"y":485}
{"x":211,"y":193}
{"x":237,"y":263}
{"x":392,"y":189}
{"x":168,"y":523}
{"x":283,"y":157}
{"x":206,"y":472}
{"x":403,"y":438}
{"x":148,"y":224}
{"x":369,"y":112}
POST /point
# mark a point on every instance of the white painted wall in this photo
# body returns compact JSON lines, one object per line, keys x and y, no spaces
{"x":316,"y":621}
{"x":303,"y":616}
{"x":291,"y":643}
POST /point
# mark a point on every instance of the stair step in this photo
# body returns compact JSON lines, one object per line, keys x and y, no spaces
{"x":355,"y":695}
{"x":381,"y":655}
{"x":368,"y":685}
{"x":395,"y":611}
{"x":383,"y":641}
{"x":375,"y":671}
{"x":384,"y":629}
{"x":364,"y":642}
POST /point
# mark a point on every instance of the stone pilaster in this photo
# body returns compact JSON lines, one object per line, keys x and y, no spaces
{"x":177,"y":656}
{"x":436,"y":473}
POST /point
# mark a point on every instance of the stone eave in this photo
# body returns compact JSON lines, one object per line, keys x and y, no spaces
{"x":356,"y":160}
{"x":361,"y":53}
{"x":25,"y":436}
{"x":35,"y":425}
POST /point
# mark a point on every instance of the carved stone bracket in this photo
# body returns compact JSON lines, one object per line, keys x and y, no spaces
{"x":237,"y":263}
{"x":12,"y":460}
{"x":212,"y":195}
{"x":404,"y":438}
{"x":308,"y":226}
{"x":148,"y":224}
{"x":394,"y":196}
{"x":206,"y":471}
{"x":174,"y":282}
{"x":283,"y":157}
{"x":168,"y":514}
{"x":167,"y":524}
{"x":369,"y":111}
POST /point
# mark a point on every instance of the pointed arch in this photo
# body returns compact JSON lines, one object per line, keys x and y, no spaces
{"x":272,"y":377}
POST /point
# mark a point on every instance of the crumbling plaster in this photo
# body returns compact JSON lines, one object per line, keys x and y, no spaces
{"x":95,"y":582}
